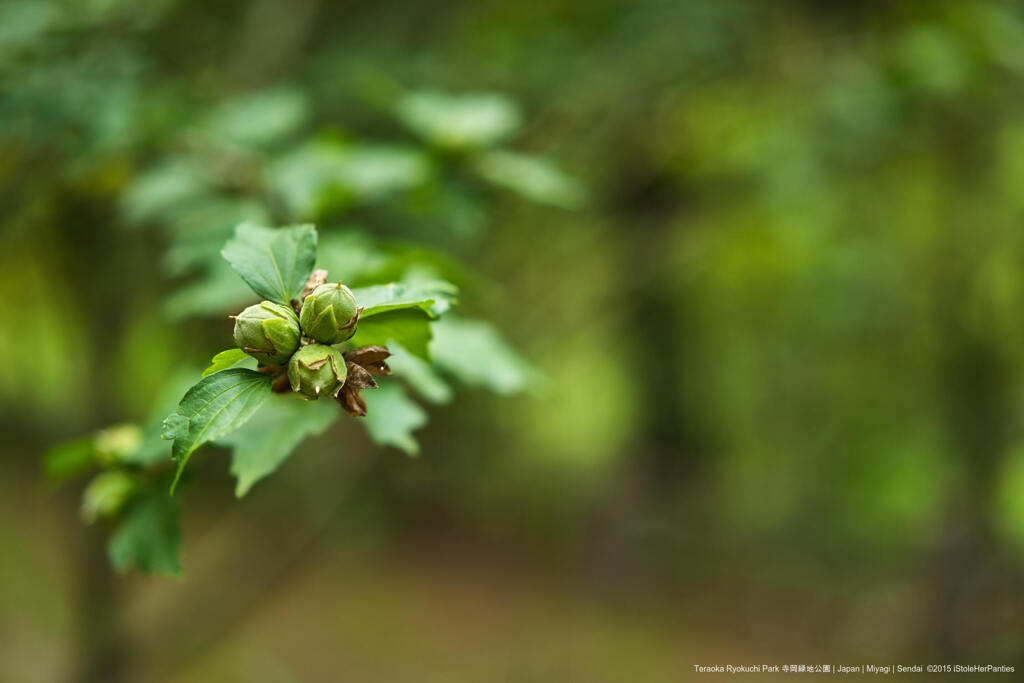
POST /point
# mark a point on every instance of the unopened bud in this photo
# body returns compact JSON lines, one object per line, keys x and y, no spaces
{"x":329,"y":314}
{"x":268,"y":332}
{"x":317,"y":370}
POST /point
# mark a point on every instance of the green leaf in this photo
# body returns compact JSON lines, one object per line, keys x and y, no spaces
{"x":259,"y":118}
{"x":118,"y":442}
{"x":414,"y":266}
{"x":199,"y":229}
{"x":433,"y":298}
{"x":391,"y":417}
{"x":374,"y":171}
{"x":70,"y":458}
{"x":154,"y":448}
{"x":348,"y":254}
{"x":226,"y":359}
{"x":419,"y":375}
{"x":106,"y":494}
{"x":149,"y":536}
{"x":459,"y":121}
{"x":213,"y":408}
{"x":474,"y":352}
{"x":409,"y":327}
{"x":275,"y":262}
{"x":159,"y":189}
{"x":533,"y":178}
{"x":215,"y":291}
{"x":326,"y":174}
{"x":175,"y":426}
{"x":266,"y":441}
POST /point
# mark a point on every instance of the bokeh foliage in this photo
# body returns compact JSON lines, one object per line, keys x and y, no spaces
{"x":781,"y":342}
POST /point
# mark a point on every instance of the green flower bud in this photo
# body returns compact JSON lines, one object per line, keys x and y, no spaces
{"x":329,"y":313}
{"x":316,"y":370}
{"x":268,"y":332}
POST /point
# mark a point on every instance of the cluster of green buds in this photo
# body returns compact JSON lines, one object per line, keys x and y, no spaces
{"x":296,"y":344}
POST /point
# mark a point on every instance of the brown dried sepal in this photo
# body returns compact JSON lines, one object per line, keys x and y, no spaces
{"x":352,"y":401}
{"x":281,"y":385}
{"x":361,"y":364}
{"x":319,"y":277}
{"x":359,"y":377}
{"x":370,"y":357}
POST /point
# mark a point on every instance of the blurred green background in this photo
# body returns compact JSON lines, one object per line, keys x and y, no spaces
{"x":782,"y":340}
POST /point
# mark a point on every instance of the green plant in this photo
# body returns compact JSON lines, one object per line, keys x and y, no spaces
{"x":307,"y":338}
{"x":278,"y":264}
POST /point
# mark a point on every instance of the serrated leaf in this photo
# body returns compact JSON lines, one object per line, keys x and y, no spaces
{"x":408,"y":327}
{"x":274,"y":262}
{"x":227,"y":359}
{"x":212,"y":409}
{"x":148,"y":537}
{"x":278,"y":428}
{"x":432,"y":299}
{"x":154,"y":448}
{"x":474,"y":352}
{"x":175,"y":426}
{"x":392,"y":417}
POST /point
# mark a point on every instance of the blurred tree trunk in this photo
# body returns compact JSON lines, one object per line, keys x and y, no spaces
{"x":95,"y":246}
{"x":101,"y":644}
{"x":978,"y":422}
{"x":658,"y":322}
{"x":666,"y":457}
{"x":975,"y":379}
